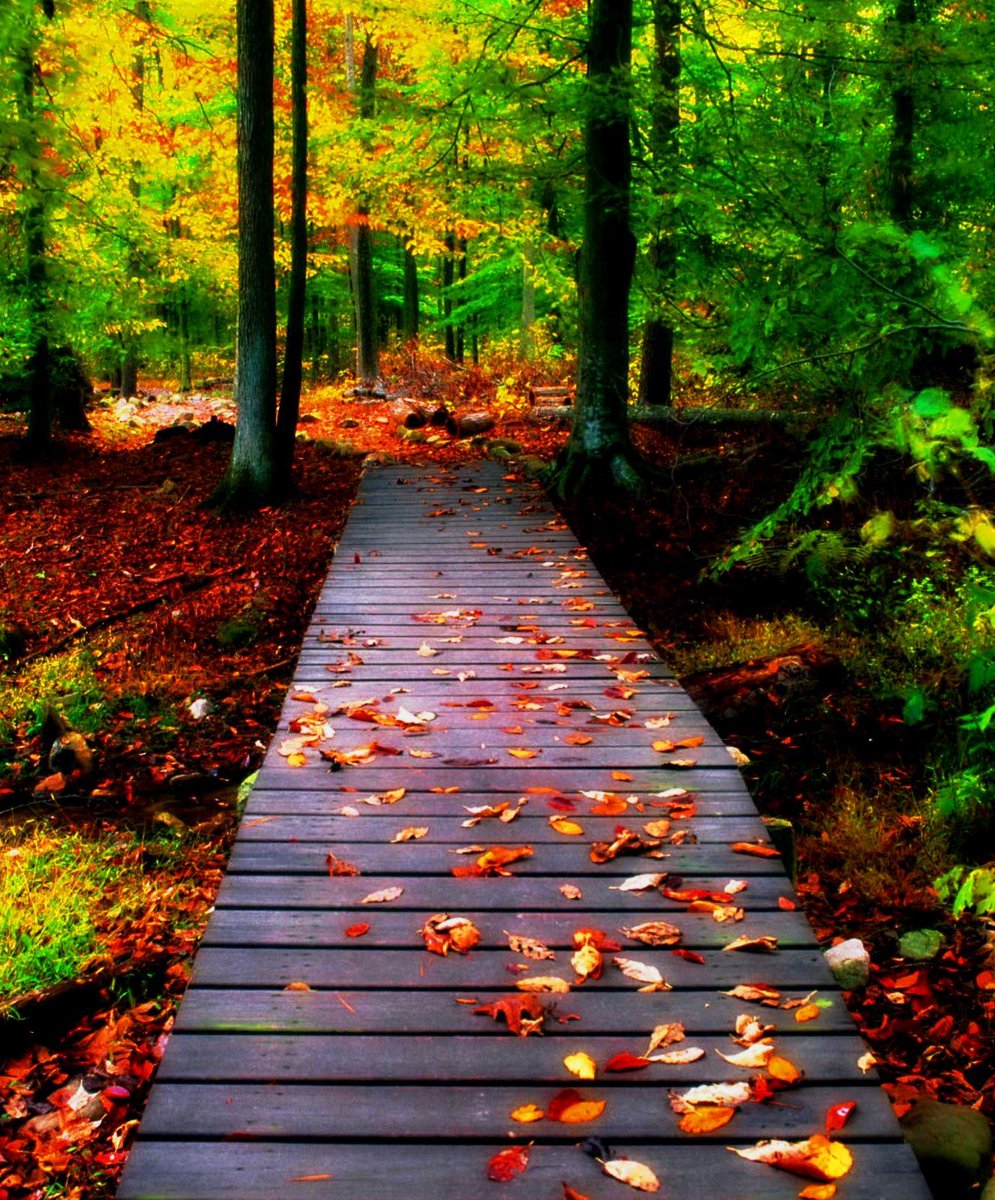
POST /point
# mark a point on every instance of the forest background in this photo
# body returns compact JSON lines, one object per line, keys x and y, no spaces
{"x":801,"y":298}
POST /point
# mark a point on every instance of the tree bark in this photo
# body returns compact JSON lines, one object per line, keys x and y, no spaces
{"x":293,"y":354}
{"x":901,"y":160}
{"x":360,"y":234}
{"x":253,"y":477}
{"x":412,"y":314}
{"x":656,"y":370}
{"x":599,"y":456}
{"x":448,"y":277}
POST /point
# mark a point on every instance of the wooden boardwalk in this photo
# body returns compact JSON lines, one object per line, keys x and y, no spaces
{"x":465,"y":651}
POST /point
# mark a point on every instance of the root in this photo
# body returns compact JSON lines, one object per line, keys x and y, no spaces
{"x":620,"y":475}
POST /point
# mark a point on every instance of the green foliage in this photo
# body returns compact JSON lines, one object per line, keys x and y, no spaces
{"x":244,"y":629}
{"x":968,"y":890}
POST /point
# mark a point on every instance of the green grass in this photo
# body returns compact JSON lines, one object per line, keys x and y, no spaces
{"x":60,"y":892}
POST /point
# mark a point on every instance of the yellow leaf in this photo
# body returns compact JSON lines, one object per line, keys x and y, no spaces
{"x":527,"y":1113}
{"x":523,"y":753}
{"x":567,"y":827}
{"x":580,"y":1064}
{"x":296,"y":759}
{"x":706,"y":1119}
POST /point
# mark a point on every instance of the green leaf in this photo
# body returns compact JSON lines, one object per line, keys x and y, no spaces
{"x":932,"y":402}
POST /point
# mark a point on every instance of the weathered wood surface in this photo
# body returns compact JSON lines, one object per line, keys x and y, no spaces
{"x":460,"y":623}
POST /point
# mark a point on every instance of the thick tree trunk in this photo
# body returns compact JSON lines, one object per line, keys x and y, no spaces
{"x":293,"y":355}
{"x":599,"y":455}
{"x":656,"y":371}
{"x":448,"y":277}
{"x":252,"y":477}
{"x":360,"y":234}
{"x":412,"y":313}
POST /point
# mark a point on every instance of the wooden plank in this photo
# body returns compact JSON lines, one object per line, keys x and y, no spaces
{"x":308,"y":1058}
{"x":319,"y":927}
{"x":442,"y":1170}
{"x":389,"y":1013}
{"x":461,"y":1111}
{"x":370,"y":967}
{"x":421,"y":858}
{"x":435,"y":893}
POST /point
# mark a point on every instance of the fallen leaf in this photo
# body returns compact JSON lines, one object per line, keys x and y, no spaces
{"x":338,"y":866}
{"x":762,"y":945}
{"x":566,"y":827}
{"x":865,"y":1062}
{"x":786,"y":904}
{"x":679,"y":1058}
{"x":757,"y":849}
{"x":807,"y":1012}
{"x":666,"y":1035}
{"x":642,"y":973}
{"x":688,"y":743}
{"x":756,"y":1055}
{"x":571,"y":892}
{"x":762,"y":992}
{"x":750,"y":1030}
{"x":570,"y":1193}
{"x":818,"y":1191}
{"x":443,"y":933}
{"x":814,"y":1158}
{"x":636,"y":1174}
{"x":622,"y":776}
{"x":784,"y":1071}
{"x":444,"y":791}
{"x":578,"y":739}
{"x":658,"y":829}
{"x":653,"y":933}
{"x":517,"y":753}
{"x":356,"y":931}
{"x":638,"y":883}
{"x":410,"y":834}
{"x":297,"y":985}
{"x":626,"y":1062}
{"x":837,"y":1115}
{"x":527,"y":1113}
{"x":586,"y":962}
{"x":580,"y":1064}
{"x":383,"y":896}
{"x":721,"y":1095}
{"x":570,"y":1108}
{"x":426,"y":651}
{"x":295,"y":760}
{"x":626,"y":841}
{"x":542,"y":983}
{"x":706,"y":1119}
{"x":523,"y":1015}
{"x":506,"y":1164}
{"x":528,"y":947}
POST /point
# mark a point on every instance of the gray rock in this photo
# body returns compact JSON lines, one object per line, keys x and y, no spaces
{"x":200,"y":708}
{"x":850,"y":963}
{"x":920,"y":944}
{"x":952,"y":1143}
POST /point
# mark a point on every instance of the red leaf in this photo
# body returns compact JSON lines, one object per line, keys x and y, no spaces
{"x":356,"y":931}
{"x":626,"y":1062}
{"x":689,"y":955}
{"x":506,"y":1164}
{"x":837,"y":1115}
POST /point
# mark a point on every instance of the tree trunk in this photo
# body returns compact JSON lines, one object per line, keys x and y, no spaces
{"x":526,"y":338}
{"x":411,"y":304}
{"x":461,"y":268}
{"x":253,"y":477}
{"x":293,"y":355}
{"x":448,"y":275}
{"x":360,"y":234}
{"x":656,"y":371}
{"x":901,"y":160}
{"x":599,"y":456}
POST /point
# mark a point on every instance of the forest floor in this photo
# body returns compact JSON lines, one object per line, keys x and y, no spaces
{"x":134,"y":600}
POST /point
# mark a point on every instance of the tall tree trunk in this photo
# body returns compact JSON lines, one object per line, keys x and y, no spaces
{"x":901,"y":160}
{"x":448,"y":276}
{"x":461,"y":269}
{"x":599,"y":455}
{"x":35,"y":219}
{"x":526,"y":334}
{"x":412,"y":311}
{"x":253,"y":477}
{"x":360,"y":234}
{"x":290,"y":391}
{"x":657,"y":368}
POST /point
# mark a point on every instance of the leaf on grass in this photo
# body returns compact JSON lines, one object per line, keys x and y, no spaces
{"x":626,"y":1062}
{"x":570,"y":1108}
{"x":814,"y":1158}
{"x":580,"y":1064}
{"x":525,"y":1114}
{"x":410,"y":834}
{"x":705,"y":1119}
{"x":528,"y":947}
{"x":506,"y":1164}
{"x":653,"y":933}
{"x":566,"y":827}
{"x":756,"y":1055}
{"x":642,"y":973}
{"x":358,"y":930}
{"x":761,"y":945}
{"x":636,"y":1174}
{"x":757,"y":849}
{"x":443,"y":933}
{"x":383,"y":896}
{"x":542,"y":983}
{"x":522,"y":1014}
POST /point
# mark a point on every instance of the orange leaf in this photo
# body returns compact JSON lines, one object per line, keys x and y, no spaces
{"x":815,"y":1158}
{"x":567,"y":828}
{"x":784,"y":1070}
{"x":786,"y":904}
{"x":570,"y":1193}
{"x":356,"y":931}
{"x":665,"y":747}
{"x":757,"y":849}
{"x":622,"y":776}
{"x":706,"y":1119}
{"x":818,"y":1191}
{"x":808,"y":1012}
{"x":578,"y":739}
{"x":570,"y":1108}
{"x":444,"y":791}
{"x":527,"y":1113}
